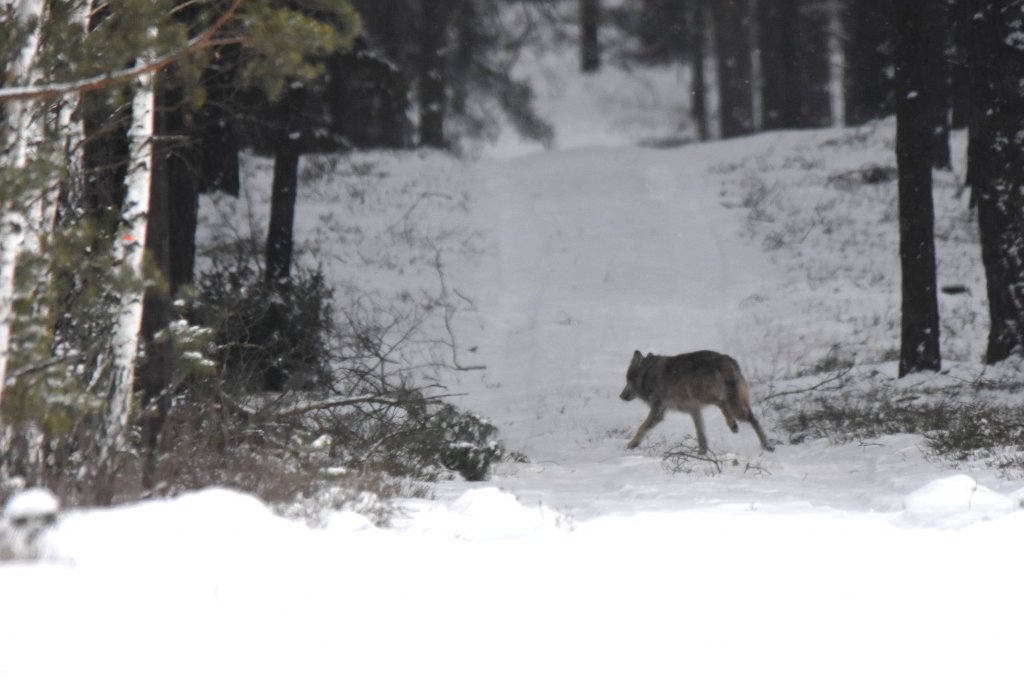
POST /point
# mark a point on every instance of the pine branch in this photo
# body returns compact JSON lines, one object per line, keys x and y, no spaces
{"x":53,"y":90}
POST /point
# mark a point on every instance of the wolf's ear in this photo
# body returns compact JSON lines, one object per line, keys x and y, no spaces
{"x":637,"y":356}
{"x":650,"y":356}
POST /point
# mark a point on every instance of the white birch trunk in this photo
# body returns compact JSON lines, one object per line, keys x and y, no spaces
{"x":15,"y":225}
{"x":128,"y":251}
{"x":836,"y":64}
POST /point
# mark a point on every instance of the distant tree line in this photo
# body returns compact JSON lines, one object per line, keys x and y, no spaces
{"x":936,"y":65}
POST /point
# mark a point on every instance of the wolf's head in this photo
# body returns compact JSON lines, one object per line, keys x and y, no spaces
{"x":632,"y":377}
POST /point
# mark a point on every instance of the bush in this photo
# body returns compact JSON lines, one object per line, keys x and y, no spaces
{"x":267,"y":337}
{"x":982,"y":432}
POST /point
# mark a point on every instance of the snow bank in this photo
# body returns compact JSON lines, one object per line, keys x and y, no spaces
{"x":212,"y":586}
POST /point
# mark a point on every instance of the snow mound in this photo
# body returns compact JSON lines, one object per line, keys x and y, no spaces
{"x":486,"y":514}
{"x":957,"y":496}
{"x":34,"y":503}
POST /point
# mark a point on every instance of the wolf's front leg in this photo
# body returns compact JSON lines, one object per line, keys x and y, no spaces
{"x":653,"y":418}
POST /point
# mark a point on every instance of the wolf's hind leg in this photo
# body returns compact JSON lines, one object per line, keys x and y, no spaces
{"x":765,"y":443}
{"x":654,"y":417}
{"x":698,"y":422}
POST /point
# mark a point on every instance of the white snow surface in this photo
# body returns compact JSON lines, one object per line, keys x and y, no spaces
{"x":818,"y":562}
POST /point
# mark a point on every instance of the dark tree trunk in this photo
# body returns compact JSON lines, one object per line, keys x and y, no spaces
{"x":996,"y":57}
{"x":959,"y":15}
{"x":590,"y":46}
{"x":219,"y":146}
{"x":795,"y":68}
{"x":154,"y":374}
{"x":919,"y":344}
{"x":698,"y":91}
{"x":284,"y":189}
{"x":869,"y":61}
{"x":938,"y":76}
{"x":105,"y":151}
{"x":433,"y":82}
{"x":731,"y":30}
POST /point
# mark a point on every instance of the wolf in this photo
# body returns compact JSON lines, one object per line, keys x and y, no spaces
{"x":687,"y":383}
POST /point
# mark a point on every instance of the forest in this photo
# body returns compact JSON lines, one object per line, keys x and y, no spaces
{"x":128,"y":370}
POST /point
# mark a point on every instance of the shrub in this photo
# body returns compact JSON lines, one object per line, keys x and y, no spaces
{"x":267,"y":337}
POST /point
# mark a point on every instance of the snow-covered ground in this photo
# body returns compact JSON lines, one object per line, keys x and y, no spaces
{"x":818,"y":562}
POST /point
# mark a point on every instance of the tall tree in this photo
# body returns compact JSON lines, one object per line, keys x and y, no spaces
{"x":284,"y":189}
{"x":869,"y":81}
{"x":919,"y":342}
{"x":836,"y":40}
{"x":939,"y":78}
{"x":996,"y":163}
{"x":697,"y":54}
{"x":590,"y":45}
{"x":434,"y":70}
{"x":732,"y":21}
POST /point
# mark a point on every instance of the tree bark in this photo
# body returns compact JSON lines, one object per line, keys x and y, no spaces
{"x":919,"y":343}
{"x":284,"y":189}
{"x":590,"y":46}
{"x":698,"y":94}
{"x":938,"y":76}
{"x":433,"y":79}
{"x":756,"y":68}
{"x":128,"y":251}
{"x":731,"y":26}
{"x":836,"y":63}
{"x":996,"y":57}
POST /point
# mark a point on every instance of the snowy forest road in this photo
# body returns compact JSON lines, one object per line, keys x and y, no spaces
{"x":592,"y":253}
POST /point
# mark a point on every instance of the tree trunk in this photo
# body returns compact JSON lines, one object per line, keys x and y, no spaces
{"x":219,"y":145}
{"x":712,"y":72}
{"x":128,"y":251}
{"x":284,"y":188}
{"x":869,"y":85}
{"x":433,"y":76}
{"x":756,"y":68}
{"x":590,"y":46}
{"x":836,"y":64}
{"x":731,"y":21}
{"x":996,"y":57}
{"x":165,"y":193}
{"x":938,"y":77}
{"x":958,"y":13}
{"x":919,"y":344}
{"x":698,"y":90}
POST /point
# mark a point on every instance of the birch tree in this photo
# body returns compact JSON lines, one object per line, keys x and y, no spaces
{"x":23,"y":127}
{"x":128,"y":252}
{"x":836,"y":63}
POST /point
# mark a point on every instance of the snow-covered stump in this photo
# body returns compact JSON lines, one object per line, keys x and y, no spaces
{"x":25,"y":517}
